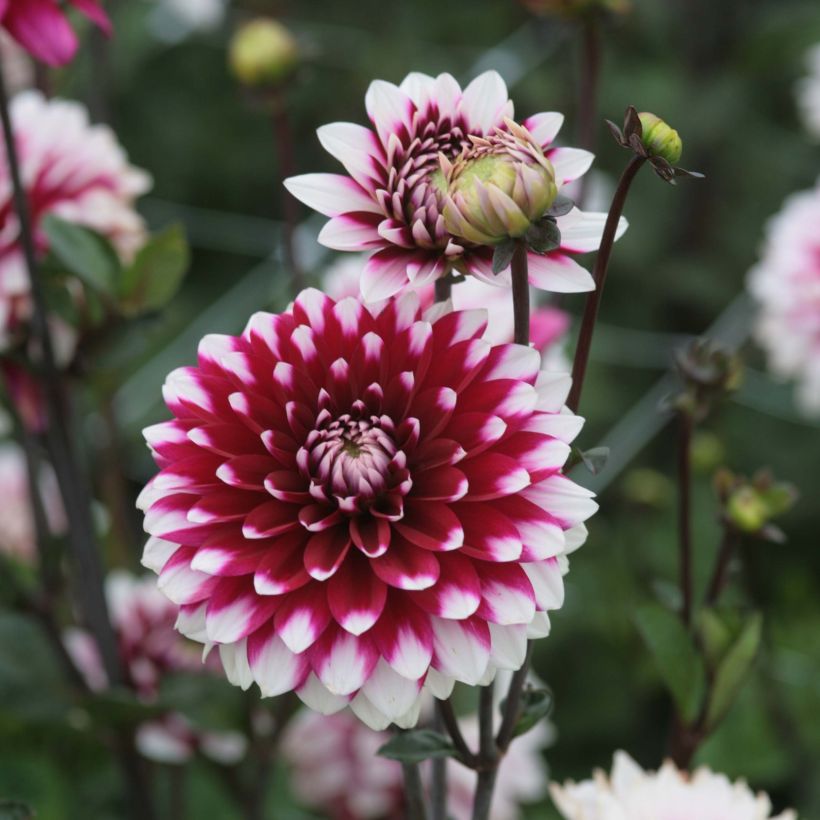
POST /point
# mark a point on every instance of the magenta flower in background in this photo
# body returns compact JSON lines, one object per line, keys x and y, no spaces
{"x":392,"y":201}
{"x":42,"y":27}
{"x":361,"y":502}
{"x":71,"y":169}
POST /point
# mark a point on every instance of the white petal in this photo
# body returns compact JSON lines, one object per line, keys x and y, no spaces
{"x":191,"y":623}
{"x":355,"y":147}
{"x":552,"y":389}
{"x":558,"y":273}
{"x":581,"y":231}
{"x":548,"y":584}
{"x":539,"y":627}
{"x":509,"y":646}
{"x":275,"y":668}
{"x":315,"y":695}
{"x":544,"y":127}
{"x":331,"y":194}
{"x":458,"y":653}
{"x":368,"y":713}
{"x":486,"y":102}
{"x":570,"y":163}
{"x":156,"y":553}
{"x":440,"y":686}
{"x":389,"y":692}
{"x":389,"y":108}
{"x":234,"y":657}
{"x":563,"y":499}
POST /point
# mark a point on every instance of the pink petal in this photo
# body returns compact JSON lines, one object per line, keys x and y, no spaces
{"x":234,"y":610}
{"x":275,"y":668}
{"x":488,"y":534}
{"x":570,"y":163}
{"x":371,"y":535}
{"x":492,"y":475}
{"x":456,"y":594}
{"x":325,"y":552}
{"x":406,"y":566}
{"x":431,"y":525}
{"x":270,"y":518}
{"x":385,"y":274}
{"x":302,"y":618}
{"x":356,"y":597}
{"x":404,"y":637}
{"x":476,"y":431}
{"x":341,"y":661}
{"x":442,"y":484}
{"x":507,"y":595}
{"x":390,"y":110}
{"x":351,"y":232}
{"x":462,"y":648}
{"x":94,"y":12}
{"x":42,"y":29}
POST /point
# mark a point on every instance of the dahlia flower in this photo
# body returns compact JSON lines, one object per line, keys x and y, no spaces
{"x":786,"y":284}
{"x":143,"y":620}
{"x":548,"y":325}
{"x":668,"y":794}
{"x":391,"y":204}
{"x":72,"y":169}
{"x":358,"y":502}
{"x":42,"y":28}
{"x":18,"y":539}
{"x":808,"y":93}
{"x":335,"y":769}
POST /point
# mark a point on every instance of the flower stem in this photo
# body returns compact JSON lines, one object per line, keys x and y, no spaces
{"x":414,"y":792}
{"x":593,"y":303}
{"x":488,"y":757}
{"x":448,"y":718}
{"x":438,"y":784}
{"x":513,"y":705}
{"x":444,"y":288}
{"x":520,"y":295}
{"x":685,"y":515}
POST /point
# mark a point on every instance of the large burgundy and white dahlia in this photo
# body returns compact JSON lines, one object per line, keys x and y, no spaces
{"x":359,"y":502}
{"x":392,"y":202}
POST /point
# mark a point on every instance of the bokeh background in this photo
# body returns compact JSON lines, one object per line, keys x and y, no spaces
{"x":723,"y":74}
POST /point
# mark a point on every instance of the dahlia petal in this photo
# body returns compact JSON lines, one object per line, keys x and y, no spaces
{"x":385,"y":274}
{"x":351,"y":232}
{"x":224,"y":559}
{"x":547,"y":583}
{"x":431,"y":525}
{"x":370,"y":535}
{"x":404,"y":637}
{"x":268,"y":334}
{"x":268,"y":519}
{"x":405,"y":566}
{"x":368,"y":714}
{"x":489,"y":535}
{"x":325,"y":552}
{"x":43,"y":30}
{"x":539,"y":627}
{"x":156,"y":553}
{"x":343,"y":662}
{"x":509,"y":646}
{"x":168,"y":440}
{"x":463,"y":362}
{"x":507,"y":595}
{"x":493,"y":475}
{"x":456,"y":594}
{"x":94,"y":12}
{"x":302,"y":618}
{"x":389,"y":109}
{"x":234,"y":610}
{"x":356,"y":597}
{"x":212,"y":348}
{"x":476,"y":431}
{"x":315,"y":695}
{"x":313,"y":308}
{"x":461,"y":648}
{"x":552,"y":390}
{"x":506,"y":398}
{"x":544,"y":127}
{"x":569,"y":163}
{"x":538,"y":454}
{"x":225,"y":439}
{"x":433,"y":408}
{"x":318,"y":517}
{"x":190,"y":394}
{"x":331,"y":194}
{"x":458,"y":326}
{"x":563,"y":426}
{"x":558,"y":273}
{"x":444,"y":484}
{"x":575,"y":537}
{"x":191,"y":472}
{"x":220,"y":506}
{"x":389,"y":692}
{"x":274,"y":667}
{"x":180,"y":583}
{"x":581,"y":231}
{"x":438,"y":452}
{"x":190,"y":622}
{"x":440,"y":686}
{"x":567,"y":501}
{"x":234,"y":657}
{"x":357,"y":148}
{"x":541,"y":536}
{"x":512,"y":362}
{"x":485,"y":102}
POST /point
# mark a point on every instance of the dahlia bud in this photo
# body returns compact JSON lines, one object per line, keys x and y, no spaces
{"x":751,"y":506}
{"x":660,"y":139}
{"x":262,"y":52}
{"x":499,"y":188}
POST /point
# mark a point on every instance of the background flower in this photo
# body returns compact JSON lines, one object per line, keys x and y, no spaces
{"x":668,"y":794}
{"x":392,"y":202}
{"x":387,"y":515}
{"x":786,"y":285}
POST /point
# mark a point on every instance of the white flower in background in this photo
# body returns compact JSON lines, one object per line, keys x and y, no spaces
{"x":786,"y":285}
{"x":143,"y":620}
{"x":631,"y":793}
{"x":808,"y":93}
{"x":174,"y":20}
{"x":17,"y":535}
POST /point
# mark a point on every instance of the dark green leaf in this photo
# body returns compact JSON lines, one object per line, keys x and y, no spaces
{"x":536,"y":704}
{"x":561,"y":206}
{"x":417,"y":745}
{"x":502,"y":255}
{"x":595,"y":459}
{"x":156,"y":273}
{"x":733,"y":671}
{"x":677,"y":659}
{"x":543,"y":236}
{"x":84,"y":253}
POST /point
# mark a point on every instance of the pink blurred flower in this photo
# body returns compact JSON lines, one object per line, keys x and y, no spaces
{"x":17,"y":534}
{"x":42,"y":27}
{"x":392,"y":201}
{"x":358,"y":502}
{"x":668,"y":794}
{"x":335,"y":769}
{"x":786,"y":285}
{"x":72,"y":169}
{"x":143,"y":620}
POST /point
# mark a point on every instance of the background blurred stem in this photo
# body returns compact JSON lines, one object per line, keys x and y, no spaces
{"x":685,"y":425}
{"x":593,"y":303}
{"x":438,"y":784}
{"x":414,"y":792}
{"x":488,"y":757}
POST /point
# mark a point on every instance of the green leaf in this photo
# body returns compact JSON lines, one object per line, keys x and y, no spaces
{"x":544,"y":236}
{"x":502,"y":255}
{"x":418,"y":745}
{"x":561,"y":206}
{"x":536,"y":704}
{"x":595,"y":459}
{"x":119,"y":707}
{"x":715,"y":636}
{"x":733,"y":670}
{"x":154,"y":277}
{"x":84,"y":253}
{"x":675,"y":654}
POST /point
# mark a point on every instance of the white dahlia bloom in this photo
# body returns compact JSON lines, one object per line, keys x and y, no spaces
{"x":72,"y":169}
{"x":808,"y":93}
{"x":786,"y":285}
{"x":631,"y":793}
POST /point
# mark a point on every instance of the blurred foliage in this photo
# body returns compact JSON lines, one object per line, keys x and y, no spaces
{"x":722,"y":74}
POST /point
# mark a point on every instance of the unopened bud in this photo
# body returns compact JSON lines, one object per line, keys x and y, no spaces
{"x":660,"y":139}
{"x":263,"y":52}
{"x":747,"y":510}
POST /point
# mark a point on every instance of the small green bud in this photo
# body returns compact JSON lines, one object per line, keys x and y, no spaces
{"x":262,"y":52}
{"x":660,"y":139}
{"x":747,"y":509}
{"x":707,"y":451}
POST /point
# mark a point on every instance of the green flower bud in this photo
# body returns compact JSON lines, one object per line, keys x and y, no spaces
{"x":707,"y":451}
{"x":660,"y":139}
{"x":262,"y":52}
{"x":498,"y":188}
{"x":747,"y":509}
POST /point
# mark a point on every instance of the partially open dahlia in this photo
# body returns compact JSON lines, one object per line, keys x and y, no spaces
{"x":358,"y":502}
